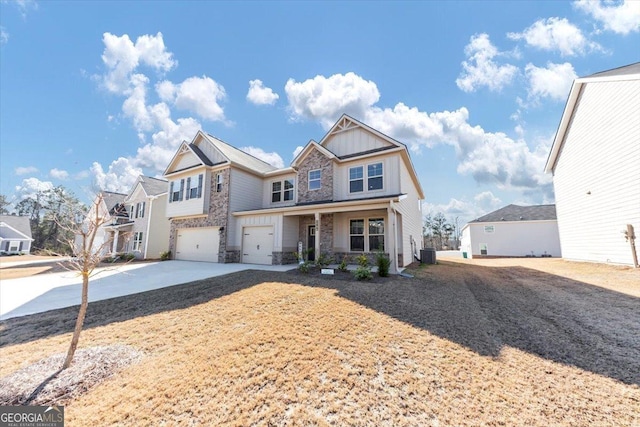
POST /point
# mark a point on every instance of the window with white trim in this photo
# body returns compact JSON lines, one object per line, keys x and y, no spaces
{"x":356,"y":179}
{"x":314,"y":179}
{"x":194,"y":187}
{"x":282,"y":191}
{"x":366,"y":239}
{"x":374,"y":177}
{"x":137,"y":240}
{"x":175,"y":190}
{"x":139,"y":209}
{"x":185,"y":189}
{"x":219,"y":178}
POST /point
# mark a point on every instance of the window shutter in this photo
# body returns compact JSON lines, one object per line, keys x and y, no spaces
{"x":137,"y":210}
{"x":181,"y":189}
{"x":142,"y":213}
{"x":170,"y":194}
{"x":188,"y":188}
{"x":199,"y":185}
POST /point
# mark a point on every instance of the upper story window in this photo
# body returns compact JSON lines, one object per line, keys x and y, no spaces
{"x":374,"y":178}
{"x":219,"y":182}
{"x":282,"y":191}
{"x":139,"y":209}
{"x":191,"y":188}
{"x":314,"y":179}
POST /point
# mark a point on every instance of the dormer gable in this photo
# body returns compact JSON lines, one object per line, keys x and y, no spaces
{"x":350,"y":138}
{"x":308,"y":149}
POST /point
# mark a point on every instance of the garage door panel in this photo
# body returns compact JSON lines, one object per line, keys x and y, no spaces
{"x":198,"y":244}
{"x":257,"y":245}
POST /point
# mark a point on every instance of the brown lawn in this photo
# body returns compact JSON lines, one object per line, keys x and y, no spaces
{"x":493,"y":342}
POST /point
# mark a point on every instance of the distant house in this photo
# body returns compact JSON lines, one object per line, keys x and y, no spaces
{"x":353,"y":193}
{"x":595,"y":162}
{"x":113,"y":212}
{"x":513,"y":231}
{"x":15,"y":235}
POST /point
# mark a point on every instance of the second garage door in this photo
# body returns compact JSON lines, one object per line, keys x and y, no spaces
{"x":257,"y":245}
{"x":198,"y":244}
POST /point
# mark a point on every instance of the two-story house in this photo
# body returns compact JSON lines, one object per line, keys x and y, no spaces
{"x":111,"y":215}
{"x":355,"y":192}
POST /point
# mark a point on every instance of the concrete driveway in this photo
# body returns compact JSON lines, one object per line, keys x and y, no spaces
{"x":39,"y":293}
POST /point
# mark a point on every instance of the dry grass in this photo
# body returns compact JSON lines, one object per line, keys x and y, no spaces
{"x":460,"y":344}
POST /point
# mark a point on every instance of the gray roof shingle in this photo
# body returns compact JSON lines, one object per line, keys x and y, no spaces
{"x":20,"y":223}
{"x":520,"y":213}
{"x":153,"y":186}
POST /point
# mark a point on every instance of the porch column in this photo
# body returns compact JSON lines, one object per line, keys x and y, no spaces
{"x":114,"y":246}
{"x":391,"y":237}
{"x":318,"y":234}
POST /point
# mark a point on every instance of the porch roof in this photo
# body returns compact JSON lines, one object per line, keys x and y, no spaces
{"x":328,"y":206}
{"x":119,"y":226}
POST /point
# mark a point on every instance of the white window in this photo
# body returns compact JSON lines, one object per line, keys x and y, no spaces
{"x":282,"y":191}
{"x":139,"y":209}
{"x":356,"y":179}
{"x":374,"y":177}
{"x":137,"y":240}
{"x":175,"y":190}
{"x":314,"y":179}
{"x":366,"y":239}
{"x":489,"y":229}
{"x":194,"y":187}
{"x":218,"y":183}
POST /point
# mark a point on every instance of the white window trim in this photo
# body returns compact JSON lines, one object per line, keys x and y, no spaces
{"x":365,"y":178}
{"x":318,"y":180}
{"x":219,"y":181}
{"x":365,"y":235}
{"x":137,"y":241}
{"x":282,"y":190}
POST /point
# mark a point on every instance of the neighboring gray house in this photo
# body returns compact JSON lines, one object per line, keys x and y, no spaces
{"x":513,"y":231}
{"x":145,"y":233}
{"x":595,"y":162}
{"x":15,"y":235}
{"x":355,"y":192}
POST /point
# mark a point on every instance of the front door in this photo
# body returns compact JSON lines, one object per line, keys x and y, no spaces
{"x":311,"y":242}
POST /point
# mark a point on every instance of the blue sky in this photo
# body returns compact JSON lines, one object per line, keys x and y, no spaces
{"x":94,"y":93}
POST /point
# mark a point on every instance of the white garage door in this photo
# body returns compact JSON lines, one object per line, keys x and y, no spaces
{"x":198,"y":244}
{"x":257,"y":245}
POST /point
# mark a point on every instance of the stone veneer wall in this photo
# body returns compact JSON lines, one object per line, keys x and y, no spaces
{"x":217,"y":217}
{"x":326,"y":234}
{"x":315,"y":160}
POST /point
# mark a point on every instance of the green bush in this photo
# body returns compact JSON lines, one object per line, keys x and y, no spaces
{"x":362,"y":260}
{"x":362,"y":273}
{"x":165,"y":256}
{"x":304,"y":267}
{"x":383,"y":263}
{"x":324,"y":260}
{"x":343,"y":264}
{"x":127,"y":257}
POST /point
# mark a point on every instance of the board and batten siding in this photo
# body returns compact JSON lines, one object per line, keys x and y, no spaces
{"x":274,"y":221}
{"x":597,"y":174}
{"x":390,"y":177}
{"x":245,"y":193}
{"x":355,"y":140}
{"x":411,"y":209}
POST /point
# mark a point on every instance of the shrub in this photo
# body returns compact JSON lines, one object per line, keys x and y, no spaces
{"x":362,"y":260}
{"x":383,"y":263}
{"x":362,"y":273}
{"x":324,"y":260}
{"x":304,"y":267}
{"x":343,"y":264}
{"x":127,"y":257}
{"x":165,"y":256}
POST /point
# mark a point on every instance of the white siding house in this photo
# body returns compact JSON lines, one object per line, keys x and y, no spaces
{"x":595,"y":162}
{"x":513,"y":231}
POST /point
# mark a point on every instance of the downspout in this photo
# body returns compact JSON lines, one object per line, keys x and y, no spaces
{"x":146,"y":231}
{"x":395,"y":238}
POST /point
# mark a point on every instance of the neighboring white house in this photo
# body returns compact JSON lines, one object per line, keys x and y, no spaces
{"x":513,"y":231}
{"x":112,"y":211}
{"x":15,"y":235}
{"x":145,"y":233}
{"x":355,"y":192}
{"x":595,"y":161}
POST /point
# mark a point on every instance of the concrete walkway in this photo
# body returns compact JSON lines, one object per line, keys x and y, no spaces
{"x":43,"y":292}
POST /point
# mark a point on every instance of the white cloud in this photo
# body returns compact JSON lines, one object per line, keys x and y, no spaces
{"x":325,"y":99}
{"x":119,"y":177}
{"x":553,"y":82}
{"x":465,"y":210}
{"x":556,"y":34}
{"x":480,"y":68}
{"x":58,"y":174}
{"x":297,"y":151}
{"x":81,"y":175}
{"x":24,"y":170}
{"x":4,"y":35}
{"x":200,"y":95}
{"x":260,"y":95}
{"x":273,"y":159}
{"x":122,"y":57}
{"x":24,"y":6}
{"x":31,"y":186}
{"x":618,"y":17}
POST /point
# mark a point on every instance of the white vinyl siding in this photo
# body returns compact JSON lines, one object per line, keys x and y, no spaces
{"x":391,"y":184}
{"x":597,"y":174}
{"x":245,"y":193}
{"x":178,"y":205}
{"x":512,"y":238}
{"x":410,"y":209}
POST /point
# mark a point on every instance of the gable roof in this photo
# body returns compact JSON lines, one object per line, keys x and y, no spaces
{"x":627,"y":72}
{"x":520,"y":213}
{"x":153,"y":186}
{"x":346,"y":122}
{"x":114,"y":202}
{"x":238,"y":157}
{"x":18,"y":227}
{"x":311,"y":145}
